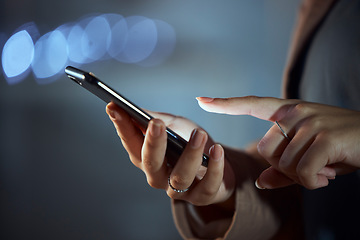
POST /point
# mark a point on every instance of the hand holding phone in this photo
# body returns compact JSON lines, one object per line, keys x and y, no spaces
{"x":175,"y":143}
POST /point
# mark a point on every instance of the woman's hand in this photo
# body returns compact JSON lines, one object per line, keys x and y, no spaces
{"x":323,"y":140}
{"x":214,"y":184}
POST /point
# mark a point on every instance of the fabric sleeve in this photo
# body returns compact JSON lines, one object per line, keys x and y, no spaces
{"x":259,"y":214}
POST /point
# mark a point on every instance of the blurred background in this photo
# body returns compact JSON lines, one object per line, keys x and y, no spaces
{"x":63,"y":171}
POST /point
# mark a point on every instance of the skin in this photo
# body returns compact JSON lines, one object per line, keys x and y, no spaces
{"x":323,"y":143}
{"x":212,"y":185}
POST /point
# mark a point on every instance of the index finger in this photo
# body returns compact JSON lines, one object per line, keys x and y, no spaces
{"x":266,"y":108}
{"x":130,"y":135}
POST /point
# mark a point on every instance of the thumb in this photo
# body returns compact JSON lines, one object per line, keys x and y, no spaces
{"x":271,"y":178}
{"x":266,"y":108}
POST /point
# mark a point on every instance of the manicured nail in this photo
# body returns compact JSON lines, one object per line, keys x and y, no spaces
{"x":155,"y":128}
{"x":197,"y":138}
{"x":205,"y":99}
{"x":258,"y":185}
{"x":216,"y":152}
{"x":330,"y":173}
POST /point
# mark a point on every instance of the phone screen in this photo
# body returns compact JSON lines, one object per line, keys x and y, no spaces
{"x":89,"y":81}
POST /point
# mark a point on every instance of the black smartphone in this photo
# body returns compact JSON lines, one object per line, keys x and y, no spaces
{"x":175,"y":143}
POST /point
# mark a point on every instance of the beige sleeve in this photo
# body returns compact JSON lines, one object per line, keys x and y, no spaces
{"x":259,"y":214}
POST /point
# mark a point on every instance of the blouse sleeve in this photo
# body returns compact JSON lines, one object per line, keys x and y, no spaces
{"x":259,"y":214}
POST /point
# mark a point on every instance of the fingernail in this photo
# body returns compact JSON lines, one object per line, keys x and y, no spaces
{"x":216,"y":152}
{"x":328,"y":172}
{"x":258,"y":185}
{"x":197,"y":138}
{"x":331,"y":177}
{"x":155,"y":129}
{"x":205,"y":99}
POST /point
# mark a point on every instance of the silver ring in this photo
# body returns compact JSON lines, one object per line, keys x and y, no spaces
{"x":282,"y":130}
{"x":176,"y":190}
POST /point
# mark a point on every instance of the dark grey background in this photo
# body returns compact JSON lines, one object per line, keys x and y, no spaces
{"x":63,"y":171}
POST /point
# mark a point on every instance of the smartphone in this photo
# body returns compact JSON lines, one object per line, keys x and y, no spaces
{"x":175,"y":143}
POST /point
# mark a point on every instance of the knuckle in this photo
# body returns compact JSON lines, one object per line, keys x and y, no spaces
{"x":303,"y":172}
{"x":300,"y":108}
{"x":263,"y":149}
{"x":153,"y":183}
{"x":147,"y":163}
{"x":325,"y":136}
{"x":314,"y":122}
{"x":208,"y":193}
{"x":179,"y":181}
{"x":305,"y":177}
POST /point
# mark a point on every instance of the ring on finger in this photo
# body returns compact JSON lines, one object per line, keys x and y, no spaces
{"x":175,"y":189}
{"x":282,"y":130}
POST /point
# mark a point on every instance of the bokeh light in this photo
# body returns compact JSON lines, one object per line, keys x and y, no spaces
{"x":141,"y":39}
{"x":50,"y":55}
{"x":98,"y":37}
{"x":74,"y":44}
{"x":17,"y":55}
{"x":166,"y":39}
{"x":117,"y":40}
{"x":94,"y":42}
